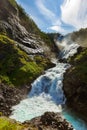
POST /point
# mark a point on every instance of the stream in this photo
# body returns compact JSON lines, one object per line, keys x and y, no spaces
{"x":47,"y":93}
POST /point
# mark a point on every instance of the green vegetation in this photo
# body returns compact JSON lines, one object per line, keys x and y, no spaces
{"x":80,"y":37}
{"x":82,"y":33}
{"x":7,"y":124}
{"x":16,"y":68}
{"x":80,"y":65}
{"x":31,"y":27}
{"x":82,"y":55}
{"x":42,"y":62}
{"x":47,"y":39}
{"x":27,"y":22}
{"x":13,"y":3}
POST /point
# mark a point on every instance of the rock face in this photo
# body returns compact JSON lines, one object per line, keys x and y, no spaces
{"x":79,"y":37}
{"x":50,"y":121}
{"x":75,"y":83}
{"x":17,"y":25}
{"x":9,"y":96}
{"x":24,"y":53}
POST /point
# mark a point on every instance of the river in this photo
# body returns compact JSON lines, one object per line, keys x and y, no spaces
{"x":47,"y":93}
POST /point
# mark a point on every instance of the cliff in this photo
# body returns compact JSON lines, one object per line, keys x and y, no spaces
{"x":22,"y":46}
{"x":75,"y":80}
{"x":80,"y":37}
{"x":25,"y":53}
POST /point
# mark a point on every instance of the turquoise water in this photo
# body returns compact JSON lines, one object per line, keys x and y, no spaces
{"x":47,"y":94}
{"x":76,"y":121}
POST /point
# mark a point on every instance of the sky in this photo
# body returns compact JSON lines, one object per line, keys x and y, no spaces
{"x":63,"y":16}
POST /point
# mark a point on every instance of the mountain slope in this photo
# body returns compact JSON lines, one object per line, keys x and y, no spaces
{"x":75,"y":81}
{"x":17,"y":26}
{"x":25,"y":53}
{"x":80,"y":37}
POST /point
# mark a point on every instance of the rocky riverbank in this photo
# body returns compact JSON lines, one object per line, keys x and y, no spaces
{"x":51,"y":121}
{"x":48,"y":121}
{"x":75,"y":83}
{"x":10,"y":96}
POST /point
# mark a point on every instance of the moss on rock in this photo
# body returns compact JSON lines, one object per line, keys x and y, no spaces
{"x":75,"y":83}
{"x":16,"y":67}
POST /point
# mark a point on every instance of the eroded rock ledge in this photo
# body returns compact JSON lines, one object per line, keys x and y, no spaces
{"x":50,"y":121}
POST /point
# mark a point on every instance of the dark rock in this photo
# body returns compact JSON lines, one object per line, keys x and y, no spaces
{"x":75,"y":83}
{"x":50,"y":121}
{"x":10,"y":96}
{"x":13,"y":25}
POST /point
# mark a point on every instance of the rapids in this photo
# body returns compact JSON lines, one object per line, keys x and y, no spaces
{"x":47,"y":93}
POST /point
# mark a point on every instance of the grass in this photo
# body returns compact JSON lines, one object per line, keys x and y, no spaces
{"x":80,"y":65}
{"x":7,"y":124}
{"x":80,"y":37}
{"x":31,"y":27}
{"x":13,"y":3}
{"x":16,"y":67}
{"x":82,"y":55}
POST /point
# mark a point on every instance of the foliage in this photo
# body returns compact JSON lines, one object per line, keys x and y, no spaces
{"x":80,"y":65}
{"x":80,"y":37}
{"x":42,"y":62}
{"x":31,"y":27}
{"x":13,"y":3}
{"x":16,"y":68}
{"x":9,"y":124}
{"x":6,"y":124}
{"x":26,"y":21}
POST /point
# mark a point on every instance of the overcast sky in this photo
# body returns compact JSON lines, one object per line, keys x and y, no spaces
{"x":62,"y":16}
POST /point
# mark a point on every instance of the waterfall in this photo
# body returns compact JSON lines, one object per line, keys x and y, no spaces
{"x":46,"y":93}
{"x":68,"y":47}
{"x":51,"y":84}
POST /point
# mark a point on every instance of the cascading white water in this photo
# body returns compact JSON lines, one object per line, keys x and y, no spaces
{"x":69,"y":48}
{"x":46,"y":93}
{"x":51,"y":84}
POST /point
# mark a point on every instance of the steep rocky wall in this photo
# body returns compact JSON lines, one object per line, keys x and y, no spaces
{"x":75,"y":83}
{"x":17,"y":25}
{"x":80,"y":37}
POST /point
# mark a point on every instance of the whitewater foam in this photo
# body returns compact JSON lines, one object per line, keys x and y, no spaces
{"x":46,"y":93}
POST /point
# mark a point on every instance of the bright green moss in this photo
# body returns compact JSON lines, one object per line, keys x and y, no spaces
{"x":81,"y":55}
{"x":13,"y":3}
{"x":16,"y":68}
{"x":80,"y":65}
{"x":26,"y":74}
{"x":81,"y":71}
{"x":7,"y":124}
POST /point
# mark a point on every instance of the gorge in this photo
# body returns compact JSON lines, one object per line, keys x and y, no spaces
{"x":43,"y":76}
{"x":47,"y":93}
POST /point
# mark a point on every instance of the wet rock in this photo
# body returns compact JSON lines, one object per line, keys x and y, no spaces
{"x":75,"y":83}
{"x":10,"y":96}
{"x":50,"y":121}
